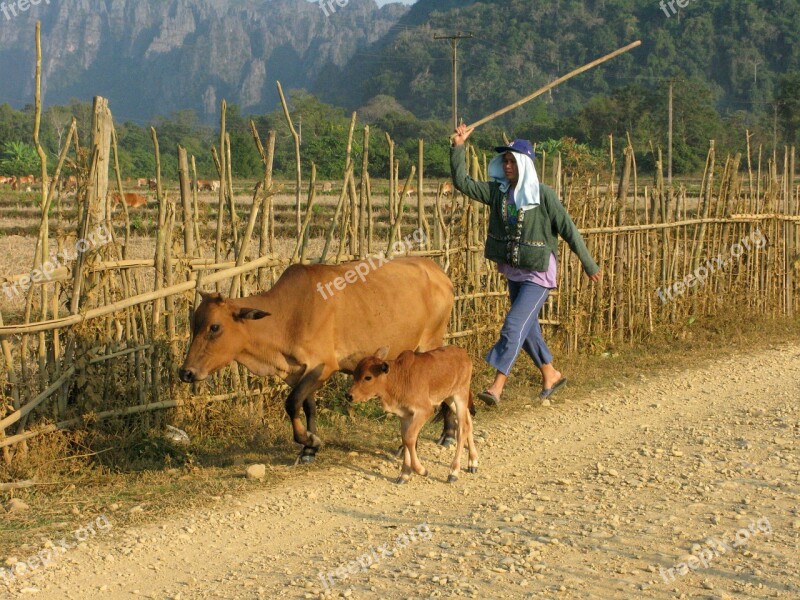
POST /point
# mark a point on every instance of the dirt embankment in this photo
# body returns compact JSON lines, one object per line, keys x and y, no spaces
{"x":683,"y":485}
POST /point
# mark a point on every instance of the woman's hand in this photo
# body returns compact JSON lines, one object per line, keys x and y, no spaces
{"x":461,"y":134}
{"x":596,"y":277}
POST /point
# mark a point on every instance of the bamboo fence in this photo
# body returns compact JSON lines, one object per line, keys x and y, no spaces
{"x":103,"y":336}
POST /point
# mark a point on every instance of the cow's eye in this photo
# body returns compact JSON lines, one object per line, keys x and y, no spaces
{"x":214,"y":328}
{"x":368,"y":378}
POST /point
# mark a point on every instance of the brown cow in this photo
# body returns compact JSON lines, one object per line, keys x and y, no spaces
{"x":411,"y":387}
{"x":141,"y":182}
{"x":207,"y":185}
{"x":320,"y":319}
{"x":447,"y":188}
{"x":132,"y":199}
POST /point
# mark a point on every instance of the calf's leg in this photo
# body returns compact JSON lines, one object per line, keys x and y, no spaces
{"x":431,"y":342}
{"x":472,"y":464}
{"x":460,"y":405}
{"x":410,"y":426}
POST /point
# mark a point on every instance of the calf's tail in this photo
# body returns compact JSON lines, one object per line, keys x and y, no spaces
{"x":443,"y":407}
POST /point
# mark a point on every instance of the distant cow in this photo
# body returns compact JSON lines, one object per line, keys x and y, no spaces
{"x":412,"y":387}
{"x":447,"y":188}
{"x":409,"y":192}
{"x":26,"y":180}
{"x":207,"y":185}
{"x":142,"y":182}
{"x":152,"y":184}
{"x":304,"y":335}
{"x":132,"y":199}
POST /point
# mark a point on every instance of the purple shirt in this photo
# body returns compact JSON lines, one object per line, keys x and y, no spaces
{"x":545,"y":279}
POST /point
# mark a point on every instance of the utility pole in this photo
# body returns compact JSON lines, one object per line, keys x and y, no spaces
{"x":669,"y":139}
{"x":775,"y":134}
{"x":454,"y":45}
{"x":755,"y":63}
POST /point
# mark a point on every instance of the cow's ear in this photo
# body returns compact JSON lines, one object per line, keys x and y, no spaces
{"x":384,"y":367}
{"x":250,"y":314}
{"x":210,"y":296}
{"x":382,"y":352}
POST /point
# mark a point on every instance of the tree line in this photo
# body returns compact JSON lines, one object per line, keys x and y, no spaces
{"x":582,"y":136}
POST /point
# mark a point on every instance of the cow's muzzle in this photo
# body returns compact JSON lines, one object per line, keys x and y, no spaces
{"x":187,"y":375}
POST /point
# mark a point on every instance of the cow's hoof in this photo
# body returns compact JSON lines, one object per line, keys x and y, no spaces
{"x":400,"y":481}
{"x":472,"y":469}
{"x":307,"y":458}
{"x":447,"y":441}
{"x":452,"y":479}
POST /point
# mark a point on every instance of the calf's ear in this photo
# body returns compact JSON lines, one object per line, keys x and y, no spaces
{"x":252,"y":314}
{"x":382,"y":352}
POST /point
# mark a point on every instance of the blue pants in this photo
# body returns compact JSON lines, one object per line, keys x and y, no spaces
{"x":521,"y":330}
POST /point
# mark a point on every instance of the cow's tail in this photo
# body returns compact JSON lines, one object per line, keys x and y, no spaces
{"x":471,"y":403}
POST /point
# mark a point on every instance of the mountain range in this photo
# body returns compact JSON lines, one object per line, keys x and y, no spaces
{"x":154,"y":57}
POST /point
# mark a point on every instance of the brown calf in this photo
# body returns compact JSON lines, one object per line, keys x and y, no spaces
{"x":409,"y":192}
{"x":411,"y":387}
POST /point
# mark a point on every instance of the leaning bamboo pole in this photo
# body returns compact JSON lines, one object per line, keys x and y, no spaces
{"x":362,"y":197}
{"x":296,"y":138}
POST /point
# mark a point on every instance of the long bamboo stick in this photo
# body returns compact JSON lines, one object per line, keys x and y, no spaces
{"x":555,"y":83}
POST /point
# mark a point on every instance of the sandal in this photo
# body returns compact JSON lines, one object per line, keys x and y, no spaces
{"x":489,"y":398}
{"x":547,"y":392}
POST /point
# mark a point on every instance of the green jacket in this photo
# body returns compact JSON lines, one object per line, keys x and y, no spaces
{"x":528,"y":244}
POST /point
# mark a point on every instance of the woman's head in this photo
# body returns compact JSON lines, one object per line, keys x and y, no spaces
{"x":510,"y":152}
{"x":510,"y":168}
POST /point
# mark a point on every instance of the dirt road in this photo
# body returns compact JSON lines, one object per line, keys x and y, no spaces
{"x":592,"y":497}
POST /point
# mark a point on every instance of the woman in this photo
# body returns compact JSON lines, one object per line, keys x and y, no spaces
{"x":525,"y":220}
